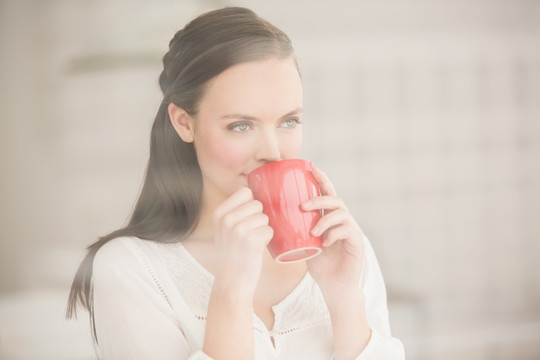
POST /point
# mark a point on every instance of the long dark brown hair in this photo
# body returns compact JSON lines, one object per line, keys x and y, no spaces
{"x":167,"y":209}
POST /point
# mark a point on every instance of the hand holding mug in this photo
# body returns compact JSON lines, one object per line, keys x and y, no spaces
{"x":339,"y":265}
{"x":241,"y":236}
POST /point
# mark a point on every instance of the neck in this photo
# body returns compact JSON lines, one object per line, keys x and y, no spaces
{"x":205,"y":227}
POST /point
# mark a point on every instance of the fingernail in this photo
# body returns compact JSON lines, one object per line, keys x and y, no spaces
{"x":315,"y":231}
{"x":307,"y":204}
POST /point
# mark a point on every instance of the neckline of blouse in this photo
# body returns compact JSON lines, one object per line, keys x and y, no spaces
{"x":277,"y":308}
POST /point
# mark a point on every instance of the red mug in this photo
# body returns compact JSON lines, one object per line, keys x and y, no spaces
{"x":282,"y":186}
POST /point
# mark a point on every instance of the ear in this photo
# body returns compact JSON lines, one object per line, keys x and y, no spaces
{"x":182,"y":123}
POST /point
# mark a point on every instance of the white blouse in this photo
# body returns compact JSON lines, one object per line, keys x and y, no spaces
{"x":150,"y":302}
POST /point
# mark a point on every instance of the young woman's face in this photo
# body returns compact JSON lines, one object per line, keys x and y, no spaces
{"x":249,"y":115}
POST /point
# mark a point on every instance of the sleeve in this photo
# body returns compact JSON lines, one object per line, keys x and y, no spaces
{"x":133,"y":319}
{"x":381,"y":344}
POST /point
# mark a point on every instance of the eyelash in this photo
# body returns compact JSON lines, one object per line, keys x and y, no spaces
{"x":297,"y":121}
{"x":234,"y":126}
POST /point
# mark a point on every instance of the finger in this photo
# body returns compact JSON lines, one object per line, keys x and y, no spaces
{"x":241,"y":212}
{"x":249,"y":224}
{"x":323,"y":202}
{"x":326,"y":186}
{"x":262,"y":234}
{"x":329,"y":220}
{"x":239,"y":197}
{"x":336,"y":234}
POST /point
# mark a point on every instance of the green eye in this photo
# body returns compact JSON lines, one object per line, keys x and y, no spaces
{"x":240,"y":127}
{"x":290,"y":123}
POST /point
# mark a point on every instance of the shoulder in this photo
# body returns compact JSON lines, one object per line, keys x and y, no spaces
{"x":372,"y":281}
{"x":115,"y":249}
{"x":119,"y":255}
{"x":370,"y":259}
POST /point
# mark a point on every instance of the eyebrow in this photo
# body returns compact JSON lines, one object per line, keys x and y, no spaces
{"x":253,"y":118}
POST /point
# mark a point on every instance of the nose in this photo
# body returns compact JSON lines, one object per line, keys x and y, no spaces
{"x":268,"y":148}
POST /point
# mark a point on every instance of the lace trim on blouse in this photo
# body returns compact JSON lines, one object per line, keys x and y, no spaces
{"x":302,"y":309}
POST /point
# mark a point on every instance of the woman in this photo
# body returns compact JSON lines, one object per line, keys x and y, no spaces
{"x":205,"y":286}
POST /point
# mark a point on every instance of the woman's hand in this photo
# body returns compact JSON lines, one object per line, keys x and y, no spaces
{"x":241,"y":234}
{"x":337,"y":269}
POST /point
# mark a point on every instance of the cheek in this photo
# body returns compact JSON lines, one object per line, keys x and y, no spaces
{"x":225,"y":152}
{"x":291,"y":145}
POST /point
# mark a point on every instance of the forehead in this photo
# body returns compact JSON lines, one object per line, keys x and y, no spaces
{"x":259,"y":88}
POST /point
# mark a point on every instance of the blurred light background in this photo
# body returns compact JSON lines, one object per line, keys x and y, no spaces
{"x":425,"y":114}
